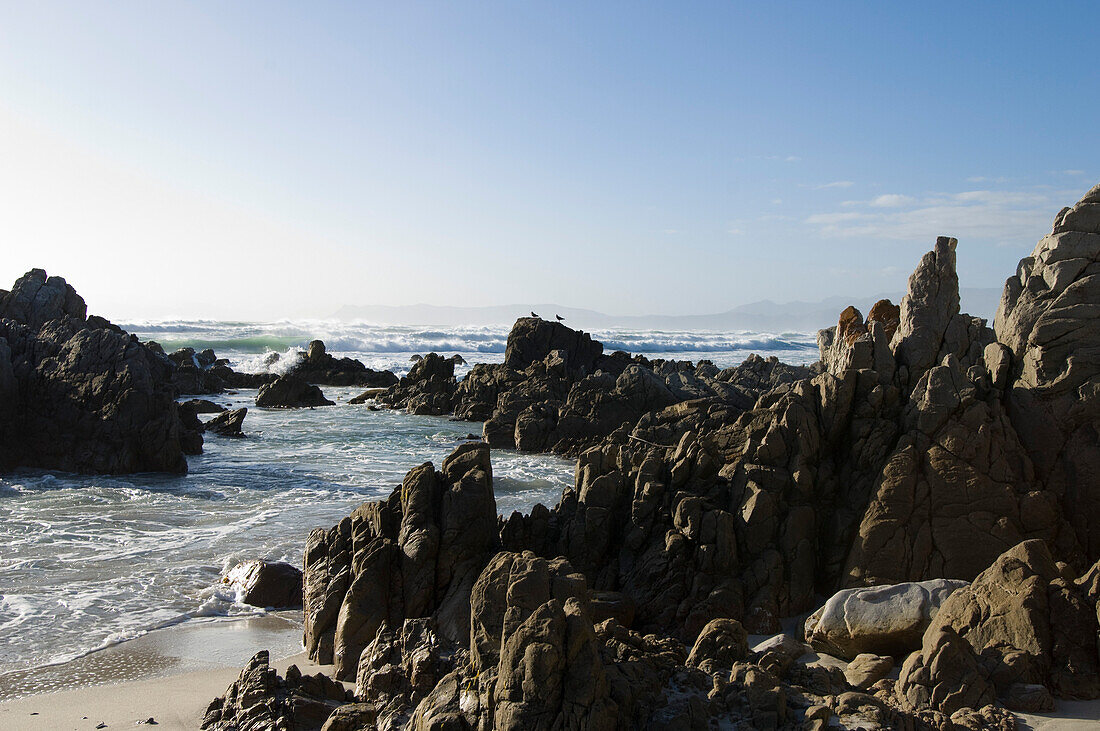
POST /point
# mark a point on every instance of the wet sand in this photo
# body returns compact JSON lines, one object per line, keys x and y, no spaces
{"x":170,"y":675}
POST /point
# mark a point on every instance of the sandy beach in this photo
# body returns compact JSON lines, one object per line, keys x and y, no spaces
{"x":169,"y":675}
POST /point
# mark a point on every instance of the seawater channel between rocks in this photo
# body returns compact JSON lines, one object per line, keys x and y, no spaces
{"x":89,"y":561}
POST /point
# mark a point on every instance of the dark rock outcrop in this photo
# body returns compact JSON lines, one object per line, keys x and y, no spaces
{"x":227,"y":423}
{"x":318,"y":367}
{"x":78,"y":394}
{"x":291,"y":392}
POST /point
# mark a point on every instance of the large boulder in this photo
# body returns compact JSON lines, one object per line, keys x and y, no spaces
{"x":1028,"y":624}
{"x":532,"y":339}
{"x":273,"y":584}
{"x":883,"y":620}
{"x":291,"y":392}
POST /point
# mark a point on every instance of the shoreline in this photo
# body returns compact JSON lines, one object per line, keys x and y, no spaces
{"x":169,"y":674}
{"x":172,"y":674}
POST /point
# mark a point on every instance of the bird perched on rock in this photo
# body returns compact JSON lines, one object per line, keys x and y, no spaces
{"x":416,"y":358}
{"x":533,"y":315}
{"x":559,"y":318}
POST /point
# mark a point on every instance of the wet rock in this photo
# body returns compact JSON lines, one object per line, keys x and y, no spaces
{"x":267,"y":584}
{"x":290,"y":392}
{"x":317,"y":366}
{"x":227,"y":423}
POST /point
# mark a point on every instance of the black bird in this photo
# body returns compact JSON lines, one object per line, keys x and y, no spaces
{"x":533,"y":315}
{"x":560,"y":318}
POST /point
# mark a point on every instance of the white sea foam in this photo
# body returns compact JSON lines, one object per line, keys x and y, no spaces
{"x":93,"y":561}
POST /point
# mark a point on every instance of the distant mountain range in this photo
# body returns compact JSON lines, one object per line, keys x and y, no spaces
{"x":762,"y":316}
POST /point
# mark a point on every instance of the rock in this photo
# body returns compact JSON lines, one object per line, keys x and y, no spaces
{"x":317,"y":366}
{"x":944,"y":675}
{"x":202,"y":406}
{"x":883,"y":620}
{"x":398,"y":669}
{"x":1028,"y":624}
{"x":783,"y":644}
{"x":260,"y":699}
{"x":1028,"y":698}
{"x":35,"y":299}
{"x":266,"y":584}
{"x":78,"y":398}
{"x":228,"y":423}
{"x":415,"y":554}
{"x":290,"y":392}
{"x":428,"y":389}
{"x":533,"y":339}
{"x":1047,"y":321}
{"x":721,"y":644}
{"x":866,"y":669}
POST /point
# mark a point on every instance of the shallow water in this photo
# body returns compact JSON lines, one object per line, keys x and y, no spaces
{"x":90,"y":561}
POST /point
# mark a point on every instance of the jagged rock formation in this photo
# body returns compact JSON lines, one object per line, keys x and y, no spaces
{"x":259,"y":700}
{"x":415,"y":554}
{"x":1050,"y":363}
{"x":427,"y":390}
{"x":76,"y":392}
{"x":709,"y":504}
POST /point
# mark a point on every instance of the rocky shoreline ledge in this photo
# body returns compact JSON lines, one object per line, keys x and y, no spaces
{"x":928,"y":494}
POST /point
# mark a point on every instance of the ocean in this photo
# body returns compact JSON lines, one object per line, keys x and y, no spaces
{"x":89,"y":561}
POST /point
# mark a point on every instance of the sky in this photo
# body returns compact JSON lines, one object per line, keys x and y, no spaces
{"x":262,"y":160}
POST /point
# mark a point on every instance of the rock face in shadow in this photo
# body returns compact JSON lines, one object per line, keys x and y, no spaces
{"x":78,"y":394}
{"x":291,"y":392}
{"x":1050,"y":362}
{"x":415,"y":554}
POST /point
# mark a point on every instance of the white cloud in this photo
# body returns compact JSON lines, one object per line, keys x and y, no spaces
{"x":986,"y":179}
{"x":1009,"y":217}
{"x":837,"y":184}
{"x":892,"y":200}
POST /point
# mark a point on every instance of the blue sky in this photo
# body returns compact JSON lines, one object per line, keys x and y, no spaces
{"x":277,"y":159}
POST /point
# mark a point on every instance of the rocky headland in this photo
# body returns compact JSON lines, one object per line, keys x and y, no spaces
{"x":922,"y":503}
{"x":926,"y":496}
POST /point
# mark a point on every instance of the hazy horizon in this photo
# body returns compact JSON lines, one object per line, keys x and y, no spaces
{"x":619,"y":158}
